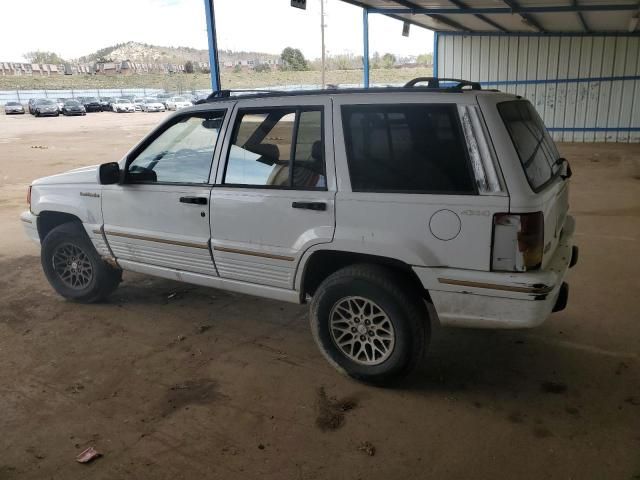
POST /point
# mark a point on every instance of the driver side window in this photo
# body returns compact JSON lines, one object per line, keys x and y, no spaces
{"x":182,"y":153}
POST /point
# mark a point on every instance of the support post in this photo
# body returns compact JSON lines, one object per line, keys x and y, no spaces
{"x":213,"y":45}
{"x":323,"y":81}
{"x":435,"y":55}
{"x":365,"y":45}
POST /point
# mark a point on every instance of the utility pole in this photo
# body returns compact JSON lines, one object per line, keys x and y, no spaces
{"x":322,"y":39}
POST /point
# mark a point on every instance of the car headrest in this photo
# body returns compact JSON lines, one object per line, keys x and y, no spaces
{"x":316,"y":151}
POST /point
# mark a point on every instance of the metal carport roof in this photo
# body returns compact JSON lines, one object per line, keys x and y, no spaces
{"x":512,"y":16}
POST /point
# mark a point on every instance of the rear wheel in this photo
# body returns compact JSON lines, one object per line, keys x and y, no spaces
{"x":370,"y":323}
{"x":74,"y":268}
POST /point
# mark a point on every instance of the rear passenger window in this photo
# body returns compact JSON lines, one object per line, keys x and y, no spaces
{"x":406,"y":148}
{"x":277,"y":148}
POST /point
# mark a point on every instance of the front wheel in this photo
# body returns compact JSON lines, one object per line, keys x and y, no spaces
{"x":370,"y":323}
{"x":74,"y":268}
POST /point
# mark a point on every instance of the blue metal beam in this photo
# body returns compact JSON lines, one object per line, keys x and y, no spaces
{"x":435,"y":54}
{"x":365,"y":47}
{"x":214,"y":66}
{"x":507,"y":10}
{"x":461,"y":4}
{"x":528,"y":19}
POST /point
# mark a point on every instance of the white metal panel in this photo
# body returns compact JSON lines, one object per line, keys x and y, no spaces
{"x":529,"y":65}
{"x":613,"y":117}
{"x":561,"y":90}
{"x":628,"y":87}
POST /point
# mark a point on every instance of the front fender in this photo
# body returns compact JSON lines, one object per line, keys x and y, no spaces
{"x":82,"y":201}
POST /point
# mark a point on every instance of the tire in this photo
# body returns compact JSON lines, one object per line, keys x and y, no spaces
{"x":387,"y":299}
{"x":37,"y":113}
{"x":70,"y":241}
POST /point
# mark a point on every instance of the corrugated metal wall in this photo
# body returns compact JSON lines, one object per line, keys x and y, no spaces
{"x":586,"y":88}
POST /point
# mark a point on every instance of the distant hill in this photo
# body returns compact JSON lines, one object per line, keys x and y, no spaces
{"x":145,"y":53}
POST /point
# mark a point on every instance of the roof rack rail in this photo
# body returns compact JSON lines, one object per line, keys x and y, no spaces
{"x":434,"y":82}
{"x":227,"y":93}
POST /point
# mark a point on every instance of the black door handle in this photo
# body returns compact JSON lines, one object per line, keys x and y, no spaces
{"x":319,"y":206}
{"x":194,"y":200}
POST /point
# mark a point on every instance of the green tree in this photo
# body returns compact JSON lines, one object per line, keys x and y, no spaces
{"x":43,"y":57}
{"x":425,"y":59}
{"x":188,"y":66}
{"x":388,"y":60}
{"x":375,"y":62}
{"x":293,"y":59}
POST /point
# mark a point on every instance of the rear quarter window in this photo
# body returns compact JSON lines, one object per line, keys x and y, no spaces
{"x":406,"y":148}
{"x":535,"y":147}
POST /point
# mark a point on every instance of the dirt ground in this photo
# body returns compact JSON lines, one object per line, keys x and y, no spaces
{"x":172,"y":381}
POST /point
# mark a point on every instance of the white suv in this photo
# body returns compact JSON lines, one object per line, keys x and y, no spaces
{"x":369,"y":203}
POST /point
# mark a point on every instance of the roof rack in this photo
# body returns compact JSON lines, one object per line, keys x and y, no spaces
{"x":227,"y":93}
{"x":434,"y":82}
{"x":441,"y":85}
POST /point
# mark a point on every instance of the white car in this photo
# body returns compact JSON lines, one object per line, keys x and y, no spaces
{"x":176,"y":103}
{"x":137,"y":103}
{"x":123,"y":105}
{"x":369,"y":204}
{"x":152,"y":105}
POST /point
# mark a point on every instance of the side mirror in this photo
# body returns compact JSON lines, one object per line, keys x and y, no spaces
{"x":109,"y":173}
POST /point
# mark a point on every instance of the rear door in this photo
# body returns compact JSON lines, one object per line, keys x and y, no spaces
{"x":275,"y":188}
{"x":410,"y":185}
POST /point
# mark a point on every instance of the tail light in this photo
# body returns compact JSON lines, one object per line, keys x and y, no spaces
{"x":518,"y":241}
{"x":29,"y":197}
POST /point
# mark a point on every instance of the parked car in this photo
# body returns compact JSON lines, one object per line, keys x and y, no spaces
{"x":92,"y":104}
{"x":137,"y":103}
{"x":11,"y":108}
{"x":152,"y":105}
{"x":163,"y":98}
{"x":73,"y":107}
{"x":176,"y":103}
{"x":370,"y":204}
{"x":106,"y":104}
{"x":46,"y":108}
{"x":31,"y":105}
{"x":122,"y":105}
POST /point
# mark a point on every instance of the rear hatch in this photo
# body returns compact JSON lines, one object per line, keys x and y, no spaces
{"x":542,"y":165}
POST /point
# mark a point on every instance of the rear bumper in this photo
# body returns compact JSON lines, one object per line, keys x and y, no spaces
{"x":29,"y":222}
{"x":478,"y":299}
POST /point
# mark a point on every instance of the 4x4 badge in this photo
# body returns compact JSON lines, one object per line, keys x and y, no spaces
{"x":483,"y":213}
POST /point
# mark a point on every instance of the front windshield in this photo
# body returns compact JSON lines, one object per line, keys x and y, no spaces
{"x":71,"y":103}
{"x":122,"y":100}
{"x":179,"y":99}
{"x":151,"y":100}
{"x":47,"y":102}
{"x":91,"y":99}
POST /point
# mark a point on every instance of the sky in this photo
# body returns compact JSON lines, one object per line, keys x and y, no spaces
{"x":256,"y":25}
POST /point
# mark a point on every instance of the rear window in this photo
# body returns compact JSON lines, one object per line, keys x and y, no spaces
{"x":535,"y":147}
{"x":406,"y":148}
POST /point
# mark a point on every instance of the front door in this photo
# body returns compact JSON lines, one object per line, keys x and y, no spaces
{"x":159,"y":216}
{"x":275,"y":189}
